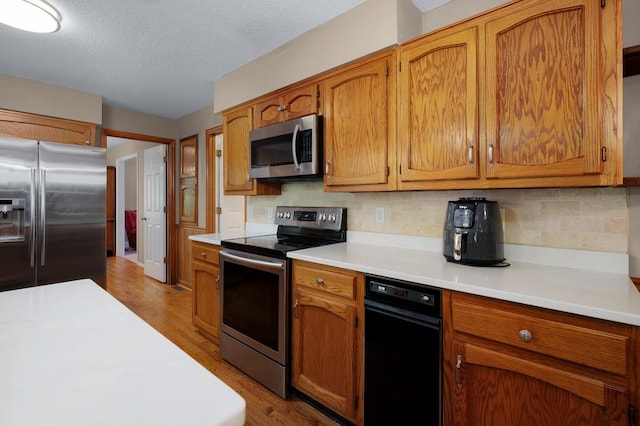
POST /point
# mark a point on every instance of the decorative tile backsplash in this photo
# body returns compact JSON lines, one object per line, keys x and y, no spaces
{"x":575,"y":218}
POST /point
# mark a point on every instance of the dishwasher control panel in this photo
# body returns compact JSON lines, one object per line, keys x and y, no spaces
{"x":403,"y":294}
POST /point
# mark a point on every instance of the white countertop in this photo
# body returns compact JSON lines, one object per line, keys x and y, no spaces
{"x":604,"y":295}
{"x":71,"y":354}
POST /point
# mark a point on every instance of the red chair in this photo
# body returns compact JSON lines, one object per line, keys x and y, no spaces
{"x":130,"y":226}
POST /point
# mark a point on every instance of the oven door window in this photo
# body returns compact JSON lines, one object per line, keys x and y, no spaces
{"x":251,"y":303}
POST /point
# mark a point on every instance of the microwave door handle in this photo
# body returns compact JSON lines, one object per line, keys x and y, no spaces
{"x":293,"y":146}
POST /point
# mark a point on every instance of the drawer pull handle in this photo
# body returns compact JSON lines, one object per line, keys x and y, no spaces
{"x":525,"y":336}
{"x":217,"y":282}
{"x":295,"y":310}
{"x":458,"y":367}
{"x":203,"y":254}
{"x":319,"y":281}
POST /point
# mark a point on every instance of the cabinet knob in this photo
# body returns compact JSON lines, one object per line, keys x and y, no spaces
{"x":203,"y":254}
{"x":525,"y":336}
{"x":319,"y":281}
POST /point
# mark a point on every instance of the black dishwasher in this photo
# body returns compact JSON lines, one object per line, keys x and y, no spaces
{"x":403,"y":353}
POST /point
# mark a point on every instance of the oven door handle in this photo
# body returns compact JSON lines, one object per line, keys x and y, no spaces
{"x":247,"y":261}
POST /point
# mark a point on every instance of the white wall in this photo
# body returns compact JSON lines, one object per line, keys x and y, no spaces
{"x":455,"y":11}
{"x":367,"y":28}
{"x":631,"y":131}
{"x":18,"y":94}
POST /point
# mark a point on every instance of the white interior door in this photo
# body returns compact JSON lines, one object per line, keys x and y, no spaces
{"x":232,"y":207}
{"x":155,"y":217}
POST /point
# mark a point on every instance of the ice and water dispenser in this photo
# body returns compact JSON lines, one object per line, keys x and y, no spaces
{"x":11,"y":219}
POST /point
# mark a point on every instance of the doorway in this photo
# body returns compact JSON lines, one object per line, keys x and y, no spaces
{"x":127,"y":158}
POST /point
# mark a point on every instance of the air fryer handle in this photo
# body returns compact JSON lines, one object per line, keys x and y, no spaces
{"x":457,"y":246}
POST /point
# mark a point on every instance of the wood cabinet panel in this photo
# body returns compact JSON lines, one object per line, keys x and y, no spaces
{"x":359,"y":133}
{"x":574,"y":370}
{"x":327,"y":281}
{"x":37,"y":127}
{"x":327,"y":340}
{"x":236,"y":127}
{"x":184,"y":277}
{"x":586,"y":346}
{"x":206,"y":289}
{"x":498,"y":389}
{"x":295,"y":102}
{"x":439,"y":110}
{"x":542,"y":91}
{"x":324,"y":359}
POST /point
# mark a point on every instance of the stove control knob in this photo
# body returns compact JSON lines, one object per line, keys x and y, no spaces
{"x":323,"y":217}
{"x":287,"y":215}
{"x":332,"y":217}
{"x":280,"y":215}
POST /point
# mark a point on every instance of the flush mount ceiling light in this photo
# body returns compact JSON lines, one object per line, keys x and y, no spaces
{"x":30,"y":15}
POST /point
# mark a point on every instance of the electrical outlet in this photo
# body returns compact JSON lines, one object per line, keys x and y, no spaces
{"x":379,"y":214}
{"x":269,"y":212}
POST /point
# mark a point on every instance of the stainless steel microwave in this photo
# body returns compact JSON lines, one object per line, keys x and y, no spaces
{"x":287,"y":150}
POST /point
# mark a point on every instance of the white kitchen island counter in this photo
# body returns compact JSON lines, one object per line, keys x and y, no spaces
{"x":71,"y":354}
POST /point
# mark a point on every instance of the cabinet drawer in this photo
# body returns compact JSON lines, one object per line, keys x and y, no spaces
{"x":586,"y":341}
{"x":205,"y":252}
{"x":332,"y":281}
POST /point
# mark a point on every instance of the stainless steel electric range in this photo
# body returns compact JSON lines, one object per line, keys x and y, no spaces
{"x":256,"y":290}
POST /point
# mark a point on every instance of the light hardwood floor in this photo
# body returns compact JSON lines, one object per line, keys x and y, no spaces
{"x":168,"y":310}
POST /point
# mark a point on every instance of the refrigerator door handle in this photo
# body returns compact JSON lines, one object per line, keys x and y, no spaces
{"x":32,"y":221}
{"x":43,"y":214}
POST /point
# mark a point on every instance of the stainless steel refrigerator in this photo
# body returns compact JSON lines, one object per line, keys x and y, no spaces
{"x":52,"y":213}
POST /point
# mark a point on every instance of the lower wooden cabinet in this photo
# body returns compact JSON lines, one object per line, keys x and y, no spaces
{"x":507,"y":364}
{"x":327,"y":336}
{"x":206,"y":288}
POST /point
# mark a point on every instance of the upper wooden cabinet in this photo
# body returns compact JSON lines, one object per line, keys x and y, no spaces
{"x":543,"y":91}
{"x":38,"y":127}
{"x":438,"y":124}
{"x":523,"y":96}
{"x":236,"y":127}
{"x":294,"y":103}
{"x":360,"y":126}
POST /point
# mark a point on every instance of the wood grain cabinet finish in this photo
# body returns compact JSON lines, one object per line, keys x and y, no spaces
{"x":38,"y":127}
{"x":294,"y":103}
{"x":236,"y":126}
{"x":360,"y":126}
{"x":326,"y":337}
{"x":438,"y":122}
{"x":543,"y":91}
{"x":522,"y":96}
{"x":206,"y":288}
{"x":508,"y":364}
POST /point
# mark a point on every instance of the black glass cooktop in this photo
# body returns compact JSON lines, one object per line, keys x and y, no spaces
{"x":272,"y":245}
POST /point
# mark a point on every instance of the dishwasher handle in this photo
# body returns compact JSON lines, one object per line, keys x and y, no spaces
{"x":402,"y":314}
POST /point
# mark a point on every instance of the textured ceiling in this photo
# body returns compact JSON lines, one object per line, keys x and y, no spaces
{"x":160,"y":57}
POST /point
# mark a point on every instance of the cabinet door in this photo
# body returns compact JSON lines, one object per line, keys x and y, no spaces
{"x":300,"y":102}
{"x":236,"y":151}
{"x":542,"y":91}
{"x":496,"y":388}
{"x":268,"y":112}
{"x":295,"y":103}
{"x":359,"y":133}
{"x":206,"y":297}
{"x":324,"y":352}
{"x":439,"y":110}
{"x":236,"y":127}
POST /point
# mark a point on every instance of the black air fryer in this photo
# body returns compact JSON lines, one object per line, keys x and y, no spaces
{"x":473,"y":232}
